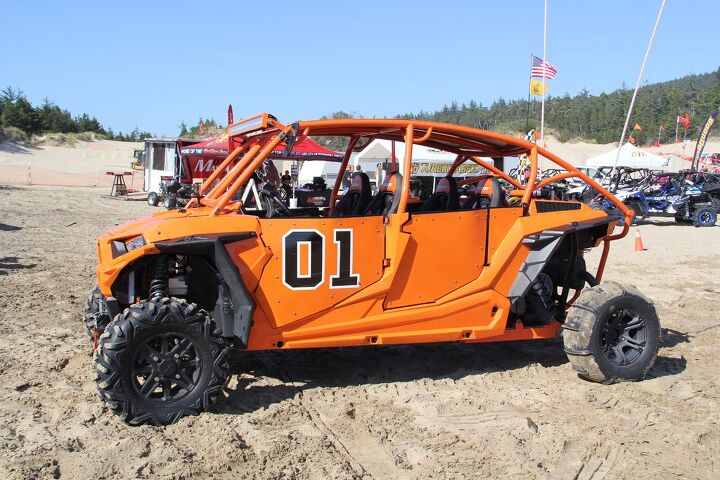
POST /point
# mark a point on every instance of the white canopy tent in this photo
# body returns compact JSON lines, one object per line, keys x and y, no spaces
{"x":630,"y":156}
{"x":427,"y":162}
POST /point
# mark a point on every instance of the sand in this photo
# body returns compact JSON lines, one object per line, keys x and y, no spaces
{"x":431,"y":411}
{"x":82,"y":157}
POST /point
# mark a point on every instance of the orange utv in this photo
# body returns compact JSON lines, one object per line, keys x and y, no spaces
{"x":481,"y":258}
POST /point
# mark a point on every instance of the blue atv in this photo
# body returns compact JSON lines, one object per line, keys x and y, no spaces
{"x":682,"y":195}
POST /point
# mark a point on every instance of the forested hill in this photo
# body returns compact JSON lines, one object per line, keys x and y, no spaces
{"x":597,"y":118}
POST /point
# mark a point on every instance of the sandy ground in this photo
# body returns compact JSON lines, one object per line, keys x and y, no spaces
{"x":432,"y":411}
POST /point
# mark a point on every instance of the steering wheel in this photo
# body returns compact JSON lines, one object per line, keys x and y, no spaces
{"x":274,"y":204}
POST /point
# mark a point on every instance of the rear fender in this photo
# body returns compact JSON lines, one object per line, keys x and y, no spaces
{"x":545,"y":244}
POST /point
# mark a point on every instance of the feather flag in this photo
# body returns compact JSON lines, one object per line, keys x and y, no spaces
{"x":684,"y":121}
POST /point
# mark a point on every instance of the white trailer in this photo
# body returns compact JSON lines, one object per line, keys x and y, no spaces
{"x":160,"y":161}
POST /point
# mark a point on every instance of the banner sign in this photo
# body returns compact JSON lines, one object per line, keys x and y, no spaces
{"x":440,"y":169}
{"x":702,"y":138}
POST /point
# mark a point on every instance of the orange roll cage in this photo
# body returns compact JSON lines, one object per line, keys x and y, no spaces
{"x":262,"y":133}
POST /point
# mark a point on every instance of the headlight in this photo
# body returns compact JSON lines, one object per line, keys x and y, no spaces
{"x":134,"y":243}
{"x":121,"y":247}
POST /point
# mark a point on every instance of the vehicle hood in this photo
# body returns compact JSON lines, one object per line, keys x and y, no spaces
{"x":172,"y":224}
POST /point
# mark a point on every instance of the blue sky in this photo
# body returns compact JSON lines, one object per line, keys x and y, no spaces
{"x":153,"y":64}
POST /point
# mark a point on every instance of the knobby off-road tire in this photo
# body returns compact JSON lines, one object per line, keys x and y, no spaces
{"x":159,"y":361}
{"x":153,"y":199}
{"x":705,"y":217}
{"x":92,"y":317}
{"x":612,"y":333}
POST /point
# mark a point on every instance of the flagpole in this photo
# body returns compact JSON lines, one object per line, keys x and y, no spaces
{"x":637,"y":84}
{"x":527,"y":118}
{"x":542,"y":106}
{"x":659,"y":130}
{"x":677,"y":125}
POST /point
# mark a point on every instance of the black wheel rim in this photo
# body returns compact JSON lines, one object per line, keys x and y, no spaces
{"x":623,"y":337}
{"x":166,"y":367}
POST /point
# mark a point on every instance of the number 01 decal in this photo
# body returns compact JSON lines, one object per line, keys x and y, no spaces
{"x":303,"y":266}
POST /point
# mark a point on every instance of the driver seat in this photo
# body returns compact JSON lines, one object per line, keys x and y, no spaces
{"x":356,"y":200}
{"x":445,"y":198}
{"x":485,"y":196}
{"x":386,"y":201}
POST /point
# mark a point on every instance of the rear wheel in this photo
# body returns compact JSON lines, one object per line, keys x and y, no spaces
{"x":159,"y":361}
{"x":153,"y":199}
{"x":705,"y":217}
{"x":170,"y":201}
{"x":612,"y":333}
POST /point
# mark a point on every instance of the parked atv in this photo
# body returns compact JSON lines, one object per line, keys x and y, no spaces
{"x":673,"y":194}
{"x":173,"y":193}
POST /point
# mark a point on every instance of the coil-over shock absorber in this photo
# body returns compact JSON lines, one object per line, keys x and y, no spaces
{"x":159,"y":282}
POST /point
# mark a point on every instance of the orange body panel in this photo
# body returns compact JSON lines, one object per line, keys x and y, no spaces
{"x":284,"y":304}
{"x":445,"y":251}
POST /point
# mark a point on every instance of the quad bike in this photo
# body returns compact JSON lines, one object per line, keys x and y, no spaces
{"x":179,"y":289}
{"x":173,"y":193}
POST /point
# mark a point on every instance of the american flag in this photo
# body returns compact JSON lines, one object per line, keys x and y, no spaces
{"x":542,"y":69}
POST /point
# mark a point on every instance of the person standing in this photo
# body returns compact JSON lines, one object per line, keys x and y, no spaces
{"x":286,"y":184}
{"x":347,"y":179}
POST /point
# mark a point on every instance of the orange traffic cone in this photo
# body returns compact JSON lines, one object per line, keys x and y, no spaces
{"x":639,"y":247}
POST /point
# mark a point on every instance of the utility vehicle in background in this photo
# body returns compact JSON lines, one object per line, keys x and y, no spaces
{"x":497,"y":263}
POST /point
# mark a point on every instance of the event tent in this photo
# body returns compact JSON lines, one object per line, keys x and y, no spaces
{"x":304,"y":149}
{"x":426,"y":161}
{"x":204,"y":156}
{"x":630,"y":156}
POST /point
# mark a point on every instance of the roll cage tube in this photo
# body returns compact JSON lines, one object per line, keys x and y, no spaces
{"x":232,"y":175}
{"x":254,"y":164}
{"x":407,"y":168}
{"x":341,"y":172}
{"x":453,"y":138}
{"x":218,"y":170}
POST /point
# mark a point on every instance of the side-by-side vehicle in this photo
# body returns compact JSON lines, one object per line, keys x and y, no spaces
{"x":482,"y":259}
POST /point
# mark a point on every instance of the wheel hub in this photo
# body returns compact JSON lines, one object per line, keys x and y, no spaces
{"x":166,"y":367}
{"x":623,"y":337}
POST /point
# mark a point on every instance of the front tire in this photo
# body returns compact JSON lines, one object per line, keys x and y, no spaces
{"x":159,"y":361}
{"x":612,"y":333}
{"x":638,"y":209}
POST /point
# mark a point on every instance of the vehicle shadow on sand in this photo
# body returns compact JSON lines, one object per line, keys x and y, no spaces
{"x":9,"y":228}
{"x":13,"y":263}
{"x":265,"y":378}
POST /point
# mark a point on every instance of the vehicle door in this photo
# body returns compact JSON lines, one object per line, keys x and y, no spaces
{"x":316,"y":263}
{"x":444,"y":251}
